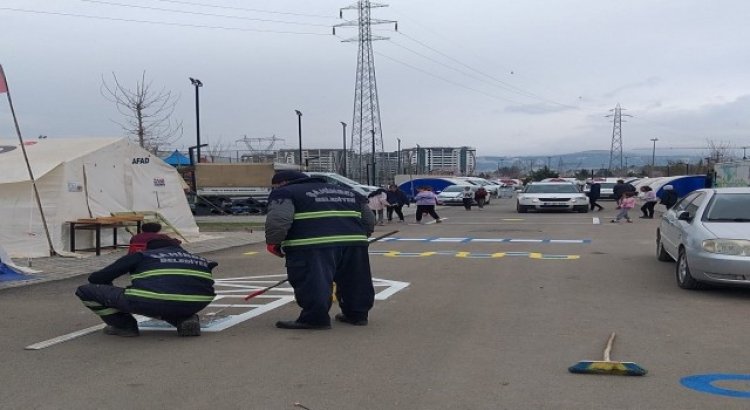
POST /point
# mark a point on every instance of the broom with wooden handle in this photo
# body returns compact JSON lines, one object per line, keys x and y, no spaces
{"x":607,"y":366}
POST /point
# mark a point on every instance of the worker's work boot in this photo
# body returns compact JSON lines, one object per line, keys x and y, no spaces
{"x":345,"y":319}
{"x":189,"y":327}
{"x":118,"y":331}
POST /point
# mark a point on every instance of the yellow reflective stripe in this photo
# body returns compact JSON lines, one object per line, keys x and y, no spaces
{"x":327,"y":214}
{"x":164,"y":272}
{"x":324,"y":239}
{"x":88,"y":303}
{"x":106,"y":312}
{"x":168,"y":296}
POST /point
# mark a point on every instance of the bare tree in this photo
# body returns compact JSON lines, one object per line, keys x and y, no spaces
{"x":147,"y":113}
{"x":719,"y":151}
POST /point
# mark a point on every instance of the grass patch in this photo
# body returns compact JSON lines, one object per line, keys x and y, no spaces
{"x":230,"y":226}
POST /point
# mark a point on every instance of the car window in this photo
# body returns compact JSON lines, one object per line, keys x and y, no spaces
{"x":728,"y":208}
{"x":551,"y":189}
{"x":682,"y":204}
{"x":692,"y":206}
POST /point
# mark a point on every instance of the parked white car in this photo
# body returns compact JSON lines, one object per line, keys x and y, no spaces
{"x":541,"y":196}
{"x":492,"y":188}
{"x":454,"y":194}
{"x":708,"y":234}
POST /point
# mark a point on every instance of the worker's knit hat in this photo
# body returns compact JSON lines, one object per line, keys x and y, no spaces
{"x":287,"y":176}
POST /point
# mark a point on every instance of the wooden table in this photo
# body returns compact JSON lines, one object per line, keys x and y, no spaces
{"x":96,"y":225}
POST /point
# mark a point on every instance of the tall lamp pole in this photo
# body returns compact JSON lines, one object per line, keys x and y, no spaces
{"x":653,"y":155}
{"x":197,"y":84}
{"x":398,"y":156}
{"x":374,"y":176}
{"x":343,"y":155}
{"x":299,"y":128}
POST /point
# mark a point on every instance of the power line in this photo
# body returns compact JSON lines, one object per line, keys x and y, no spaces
{"x":506,"y":84}
{"x":191,"y":3}
{"x":164,"y":23}
{"x":196,"y":13}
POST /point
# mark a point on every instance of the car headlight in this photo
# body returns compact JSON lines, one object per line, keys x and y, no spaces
{"x":737,"y":247}
{"x":535,"y":200}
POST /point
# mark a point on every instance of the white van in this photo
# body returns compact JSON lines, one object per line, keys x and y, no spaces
{"x":337,"y":179}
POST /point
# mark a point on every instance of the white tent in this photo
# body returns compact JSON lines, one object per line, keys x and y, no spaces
{"x":82,"y":178}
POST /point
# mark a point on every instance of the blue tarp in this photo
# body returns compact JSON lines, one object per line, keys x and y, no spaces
{"x":176,"y":158}
{"x":8,"y":274}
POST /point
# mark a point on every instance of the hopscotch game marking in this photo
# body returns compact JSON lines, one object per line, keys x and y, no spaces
{"x":227,"y":291}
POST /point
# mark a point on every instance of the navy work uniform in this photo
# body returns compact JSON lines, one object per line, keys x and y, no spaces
{"x":168,"y":283}
{"x":322,"y":230}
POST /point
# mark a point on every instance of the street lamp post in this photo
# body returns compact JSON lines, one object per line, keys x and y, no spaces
{"x":299,"y":128}
{"x":197,"y":84}
{"x":374,"y":176}
{"x":398,"y":156}
{"x":343,"y":155}
{"x":744,"y":155}
{"x":653,"y":156}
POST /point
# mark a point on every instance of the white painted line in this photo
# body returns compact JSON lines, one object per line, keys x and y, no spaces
{"x":412,"y":239}
{"x":526,"y":241}
{"x":393,"y":287}
{"x":489,"y":240}
{"x":236,"y":319}
{"x":448,"y":240}
{"x":596,"y":221}
{"x":435,"y":221}
{"x":64,"y":338}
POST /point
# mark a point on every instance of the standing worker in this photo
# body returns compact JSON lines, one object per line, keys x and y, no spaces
{"x":481,"y":197}
{"x":168,"y":283}
{"x":322,"y":231}
{"x":467,"y":197}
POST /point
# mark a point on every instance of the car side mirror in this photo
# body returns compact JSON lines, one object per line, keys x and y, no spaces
{"x":684,"y":216}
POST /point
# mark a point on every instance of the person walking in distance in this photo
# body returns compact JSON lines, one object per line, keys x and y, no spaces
{"x":397,"y":199}
{"x":481,"y":197}
{"x":626,"y":204}
{"x":378,"y":201}
{"x":669,"y":196}
{"x":426,"y":201}
{"x":595,"y":190}
{"x":321,"y":229}
{"x":649,"y":202}
{"x":467,"y":197}
{"x":168,"y":283}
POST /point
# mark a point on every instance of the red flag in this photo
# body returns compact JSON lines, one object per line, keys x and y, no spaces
{"x":3,"y":84}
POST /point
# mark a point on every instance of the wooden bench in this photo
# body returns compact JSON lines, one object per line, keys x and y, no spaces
{"x":106,"y":222}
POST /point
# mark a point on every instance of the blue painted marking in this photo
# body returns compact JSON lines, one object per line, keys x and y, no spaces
{"x":704,"y":384}
{"x":466,"y":240}
{"x":487,"y":240}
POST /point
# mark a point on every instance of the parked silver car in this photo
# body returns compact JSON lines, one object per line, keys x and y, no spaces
{"x":561,"y":196}
{"x":708,"y":234}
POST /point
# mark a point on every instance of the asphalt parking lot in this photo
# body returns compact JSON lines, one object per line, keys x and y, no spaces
{"x":484,"y":311}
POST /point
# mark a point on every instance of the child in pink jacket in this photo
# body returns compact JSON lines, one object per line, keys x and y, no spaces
{"x":626,"y":203}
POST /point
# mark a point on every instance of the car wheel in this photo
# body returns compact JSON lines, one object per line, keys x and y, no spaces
{"x":521,"y":208}
{"x":684,"y":279}
{"x":661,"y":254}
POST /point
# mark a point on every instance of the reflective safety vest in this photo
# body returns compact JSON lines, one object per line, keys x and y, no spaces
{"x":324,"y":214}
{"x":172,"y":275}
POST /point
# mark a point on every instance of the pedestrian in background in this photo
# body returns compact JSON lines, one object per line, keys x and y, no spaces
{"x":481,"y":197}
{"x":378,"y":201}
{"x":669,"y":196}
{"x":321,"y":229}
{"x":467,"y":197}
{"x":626,"y":204}
{"x":595,"y":192}
{"x":397,"y":199}
{"x":426,"y":201}
{"x":649,"y":202}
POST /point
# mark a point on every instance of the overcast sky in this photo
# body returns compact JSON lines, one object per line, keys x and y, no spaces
{"x":507,"y":77}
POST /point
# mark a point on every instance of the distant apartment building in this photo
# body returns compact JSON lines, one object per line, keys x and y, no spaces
{"x":441,"y":160}
{"x":319,"y":159}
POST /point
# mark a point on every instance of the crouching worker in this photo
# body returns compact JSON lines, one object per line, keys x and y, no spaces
{"x":168,"y":283}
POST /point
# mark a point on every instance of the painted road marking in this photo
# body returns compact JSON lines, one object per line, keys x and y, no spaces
{"x":597,"y":221}
{"x":250,"y":253}
{"x":227,"y":290}
{"x":704,"y":383}
{"x":484,"y":240}
{"x":435,"y":221}
{"x":472,"y":255}
{"x":512,"y":219}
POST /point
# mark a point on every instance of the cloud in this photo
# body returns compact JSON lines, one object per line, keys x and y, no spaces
{"x":539,"y":109}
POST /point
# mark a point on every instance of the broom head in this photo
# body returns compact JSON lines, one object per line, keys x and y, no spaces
{"x":612,"y":368}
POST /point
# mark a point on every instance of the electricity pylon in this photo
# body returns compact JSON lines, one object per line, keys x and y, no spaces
{"x":615,"y":150}
{"x":367,"y":135}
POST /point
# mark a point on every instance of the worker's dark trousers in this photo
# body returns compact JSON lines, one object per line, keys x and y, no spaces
{"x":312,"y":273}
{"x":111,"y":304}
